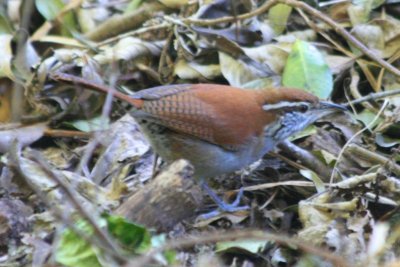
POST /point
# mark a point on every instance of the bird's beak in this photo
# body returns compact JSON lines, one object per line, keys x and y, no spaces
{"x":325,"y":109}
{"x":323,"y":105}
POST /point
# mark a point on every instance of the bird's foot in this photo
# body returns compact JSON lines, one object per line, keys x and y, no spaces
{"x":222,"y":205}
{"x":231,"y":207}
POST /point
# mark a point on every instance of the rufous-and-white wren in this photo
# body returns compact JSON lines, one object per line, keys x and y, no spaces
{"x":220,"y":129}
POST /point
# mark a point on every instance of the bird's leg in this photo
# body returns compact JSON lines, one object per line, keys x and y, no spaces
{"x":222,"y":205}
{"x":155,"y":166}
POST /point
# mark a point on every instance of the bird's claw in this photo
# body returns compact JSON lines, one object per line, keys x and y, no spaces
{"x":222,"y":205}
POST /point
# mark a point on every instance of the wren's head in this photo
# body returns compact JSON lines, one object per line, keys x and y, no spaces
{"x":295,"y":110}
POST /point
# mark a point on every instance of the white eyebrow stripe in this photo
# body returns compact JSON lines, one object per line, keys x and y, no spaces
{"x":282,"y":105}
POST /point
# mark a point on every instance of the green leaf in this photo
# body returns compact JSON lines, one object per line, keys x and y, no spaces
{"x":51,"y":9}
{"x":278,"y":16}
{"x":306,"y":69}
{"x":328,"y":158}
{"x":310,"y":130}
{"x":73,"y":250}
{"x":310,"y":175}
{"x":367,"y":117}
{"x":5,"y":25}
{"x":133,"y":5}
{"x":134,"y":237}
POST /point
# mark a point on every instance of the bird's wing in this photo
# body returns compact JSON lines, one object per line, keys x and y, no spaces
{"x":159,"y":92}
{"x":198,"y":110}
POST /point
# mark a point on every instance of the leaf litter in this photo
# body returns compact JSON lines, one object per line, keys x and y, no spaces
{"x":59,"y":188}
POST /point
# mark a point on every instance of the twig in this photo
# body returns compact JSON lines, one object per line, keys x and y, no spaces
{"x":66,"y":133}
{"x":209,"y":22}
{"x":288,"y":161}
{"x":269,"y":200}
{"x":373,"y":96}
{"x":133,"y":33}
{"x":238,"y":235}
{"x":272,"y":185}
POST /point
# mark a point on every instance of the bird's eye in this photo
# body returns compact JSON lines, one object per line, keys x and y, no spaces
{"x":303,"y":108}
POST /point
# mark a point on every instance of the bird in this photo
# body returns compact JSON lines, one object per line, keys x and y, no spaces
{"x":218,"y":128}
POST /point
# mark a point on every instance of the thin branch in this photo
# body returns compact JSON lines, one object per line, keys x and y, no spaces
{"x":373,"y":96}
{"x":209,"y":22}
{"x":66,"y":133}
{"x":277,"y":184}
{"x":238,"y":235}
{"x":136,"y":32}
